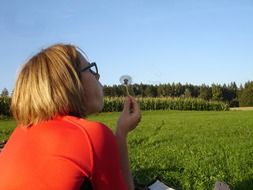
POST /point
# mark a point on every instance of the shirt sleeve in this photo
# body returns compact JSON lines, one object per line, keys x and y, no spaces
{"x":107,"y":171}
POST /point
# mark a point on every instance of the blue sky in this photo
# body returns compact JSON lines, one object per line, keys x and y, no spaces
{"x":162,"y":41}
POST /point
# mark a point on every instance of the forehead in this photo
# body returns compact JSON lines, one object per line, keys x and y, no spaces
{"x":83,"y":60}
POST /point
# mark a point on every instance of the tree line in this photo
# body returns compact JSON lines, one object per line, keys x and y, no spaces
{"x":230,"y":94}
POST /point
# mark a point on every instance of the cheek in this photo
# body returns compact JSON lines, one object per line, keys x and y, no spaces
{"x":100,"y":89}
{"x":101,"y":96}
{"x":102,"y":92}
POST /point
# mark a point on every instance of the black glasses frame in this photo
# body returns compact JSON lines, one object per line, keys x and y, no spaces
{"x":93,"y":64}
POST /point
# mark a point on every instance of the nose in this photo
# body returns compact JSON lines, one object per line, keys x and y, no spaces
{"x":97,"y":76}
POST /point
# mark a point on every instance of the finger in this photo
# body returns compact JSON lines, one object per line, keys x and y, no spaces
{"x":134,"y":105}
{"x":127,"y":105}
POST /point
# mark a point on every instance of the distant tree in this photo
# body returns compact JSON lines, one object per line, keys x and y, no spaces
{"x":107,"y":90}
{"x":246,"y":98}
{"x":148,"y":91}
{"x":161,"y":90}
{"x":142,"y":89}
{"x":154,"y":90}
{"x":230,"y":94}
{"x":120,"y":90}
{"x":131,"y":90}
{"x":5,"y":92}
{"x":204,"y":92}
{"x":195,"y":92}
{"x":179,"y":89}
{"x":168,"y":90}
{"x":136,"y":90}
{"x":216,"y":92}
{"x":187,"y":93}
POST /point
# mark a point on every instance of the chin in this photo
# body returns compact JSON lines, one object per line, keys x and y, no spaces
{"x":102,"y":106}
{"x":99,"y":109}
{"x":96,"y":109}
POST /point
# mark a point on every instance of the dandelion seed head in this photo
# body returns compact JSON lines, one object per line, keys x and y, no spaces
{"x":125,"y":79}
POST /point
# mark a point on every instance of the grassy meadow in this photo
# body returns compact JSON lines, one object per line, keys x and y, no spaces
{"x":187,"y":149}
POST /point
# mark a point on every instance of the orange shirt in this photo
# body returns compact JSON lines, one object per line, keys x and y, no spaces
{"x":58,"y":155}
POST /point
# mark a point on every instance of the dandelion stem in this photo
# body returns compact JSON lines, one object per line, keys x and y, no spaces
{"x":127,"y":91}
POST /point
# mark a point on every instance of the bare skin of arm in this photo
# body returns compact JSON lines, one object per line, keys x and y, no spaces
{"x":128,"y":120}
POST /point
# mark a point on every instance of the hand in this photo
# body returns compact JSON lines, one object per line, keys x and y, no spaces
{"x":129,"y":117}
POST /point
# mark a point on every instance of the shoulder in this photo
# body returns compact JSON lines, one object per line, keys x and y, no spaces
{"x":92,"y":128}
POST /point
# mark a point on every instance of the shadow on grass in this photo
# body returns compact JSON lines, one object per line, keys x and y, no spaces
{"x":145,"y":177}
{"x":244,"y":185}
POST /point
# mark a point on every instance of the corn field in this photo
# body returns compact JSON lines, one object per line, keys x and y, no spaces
{"x":115,"y":104}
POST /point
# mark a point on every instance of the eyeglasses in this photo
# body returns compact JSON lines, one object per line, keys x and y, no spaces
{"x":92,"y":68}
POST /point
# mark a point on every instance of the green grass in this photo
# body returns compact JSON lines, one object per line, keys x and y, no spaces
{"x":6,"y":127}
{"x":188,"y":150}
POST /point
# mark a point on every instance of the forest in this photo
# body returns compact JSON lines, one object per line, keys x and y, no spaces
{"x":230,"y":94}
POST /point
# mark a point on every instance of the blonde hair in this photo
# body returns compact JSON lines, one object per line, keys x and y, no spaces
{"x":49,"y":85}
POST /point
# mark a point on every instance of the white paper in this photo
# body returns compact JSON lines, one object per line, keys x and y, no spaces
{"x":158,"y":185}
